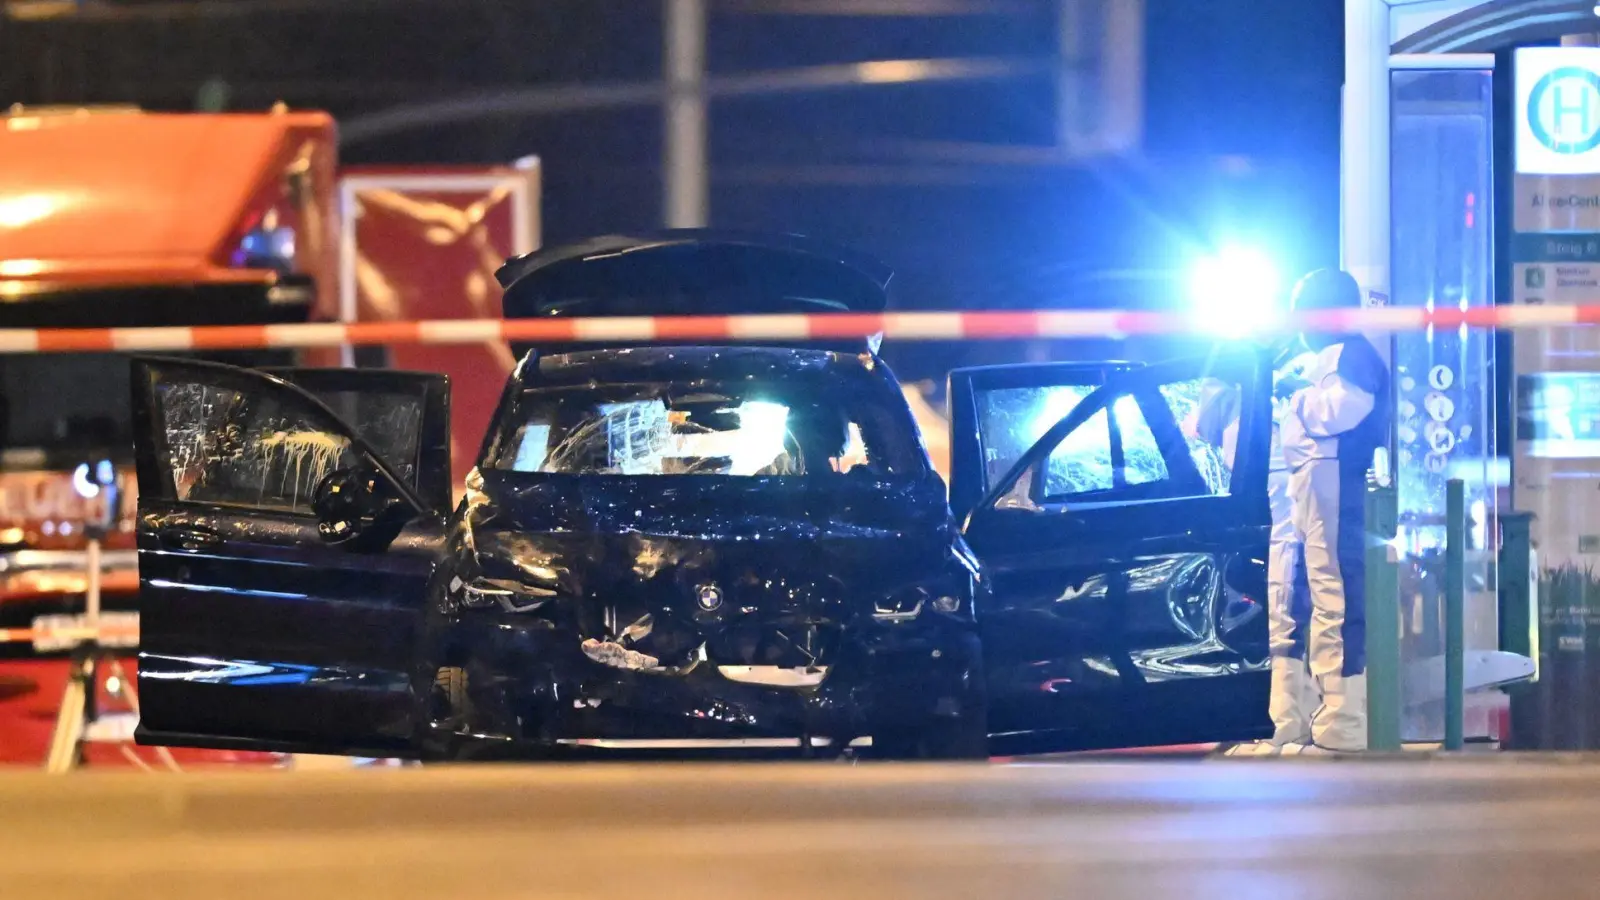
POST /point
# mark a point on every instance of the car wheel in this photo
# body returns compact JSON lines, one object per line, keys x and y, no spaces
{"x":452,"y":706}
{"x":450,"y":711}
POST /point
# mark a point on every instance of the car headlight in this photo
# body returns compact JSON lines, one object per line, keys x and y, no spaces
{"x":508,"y":594}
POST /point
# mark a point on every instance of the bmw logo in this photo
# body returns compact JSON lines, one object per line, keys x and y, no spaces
{"x":709,"y":596}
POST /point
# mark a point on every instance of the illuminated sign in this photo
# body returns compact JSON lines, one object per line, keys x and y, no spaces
{"x":1558,"y":110}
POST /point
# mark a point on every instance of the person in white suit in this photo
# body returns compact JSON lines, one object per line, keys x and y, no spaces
{"x":1330,"y":431}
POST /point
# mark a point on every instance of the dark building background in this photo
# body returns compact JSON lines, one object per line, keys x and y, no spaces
{"x":1241,"y":130}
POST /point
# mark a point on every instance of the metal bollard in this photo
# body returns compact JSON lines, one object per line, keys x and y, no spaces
{"x":1383,"y":619}
{"x":1455,"y":589}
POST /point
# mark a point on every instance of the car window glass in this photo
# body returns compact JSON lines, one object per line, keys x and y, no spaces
{"x":1166,"y":441}
{"x":1142,"y":461}
{"x":855,"y":451}
{"x":389,"y":421}
{"x":1081,"y":463}
{"x":1010,"y":420}
{"x":232,"y":447}
{"x":1207,"y":412}
{"x":654,"y":430}
{"x":533,"y":446}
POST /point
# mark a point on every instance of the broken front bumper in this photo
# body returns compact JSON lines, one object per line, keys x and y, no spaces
{"x":530,"y":681}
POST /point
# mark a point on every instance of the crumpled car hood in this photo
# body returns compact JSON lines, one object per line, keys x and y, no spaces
{"x":713,"y":507}
{"x":635,"y":606}
{"x":657,"y":540}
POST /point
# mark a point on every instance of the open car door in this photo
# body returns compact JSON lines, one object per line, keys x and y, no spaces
{"x":1126,"y":553}
{"x":289,"y":523}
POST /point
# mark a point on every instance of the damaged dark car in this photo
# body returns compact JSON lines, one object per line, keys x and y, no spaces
{"x":676,"y":549}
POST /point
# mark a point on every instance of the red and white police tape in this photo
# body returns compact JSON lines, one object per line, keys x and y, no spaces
{"x":55,"y":633}
{"x":900,"y":326}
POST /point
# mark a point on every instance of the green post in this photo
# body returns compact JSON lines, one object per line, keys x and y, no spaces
{"x":1383,"y":620}
{"x":1455,"y":589}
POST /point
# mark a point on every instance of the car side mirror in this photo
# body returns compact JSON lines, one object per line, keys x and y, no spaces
{"x":356,"y":508}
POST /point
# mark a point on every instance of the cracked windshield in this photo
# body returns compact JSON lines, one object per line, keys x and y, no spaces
{"x":655,"y":431}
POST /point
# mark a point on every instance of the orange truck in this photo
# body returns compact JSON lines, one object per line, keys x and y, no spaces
{"x":115,"y":217}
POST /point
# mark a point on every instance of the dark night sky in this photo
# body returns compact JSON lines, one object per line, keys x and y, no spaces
{"x":1248,"y":78}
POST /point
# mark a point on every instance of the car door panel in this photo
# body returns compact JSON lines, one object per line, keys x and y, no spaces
{"x":1127,"y":601}
{"x":320,"y":639}
{"x":257,"y":633}
{"x":1098,"y":647}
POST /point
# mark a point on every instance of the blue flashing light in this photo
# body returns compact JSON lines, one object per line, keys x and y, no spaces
{"x":1236,"y":292}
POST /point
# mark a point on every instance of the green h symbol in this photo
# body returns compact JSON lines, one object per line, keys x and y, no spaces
{"x":1560,"y":109}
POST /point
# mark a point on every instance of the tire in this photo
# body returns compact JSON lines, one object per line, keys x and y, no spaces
{"x":455,"y":715}
{"x":450,"y":691}
{"x":451,"y":711}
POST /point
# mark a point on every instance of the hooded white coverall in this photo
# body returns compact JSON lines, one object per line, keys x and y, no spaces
{"x":1329,"y":433}
{"x":1294,"y":694}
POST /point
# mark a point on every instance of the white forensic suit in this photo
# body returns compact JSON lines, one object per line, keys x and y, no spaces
{"x":1294,"y":695}
{"x":1329,"y":433}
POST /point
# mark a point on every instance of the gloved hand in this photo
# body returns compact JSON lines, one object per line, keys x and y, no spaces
{"x":1285,"y":387}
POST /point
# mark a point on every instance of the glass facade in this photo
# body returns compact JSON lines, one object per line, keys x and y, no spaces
{"x":1442,"y":184}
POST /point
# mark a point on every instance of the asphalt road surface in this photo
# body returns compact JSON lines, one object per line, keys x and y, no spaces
{"x":1502,"y":827}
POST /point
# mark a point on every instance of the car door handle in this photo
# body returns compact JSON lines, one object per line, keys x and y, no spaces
{"x":191,"y":539}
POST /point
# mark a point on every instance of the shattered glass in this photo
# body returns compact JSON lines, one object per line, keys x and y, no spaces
{"x":653,"y":430}
{"x":1082,"y":461}
{"x":230,"y":447}
{"x":1207,"y":412}
{"x":1011,"y":420}
{"x":1141,"y":457}
{"x":389,"y":421}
